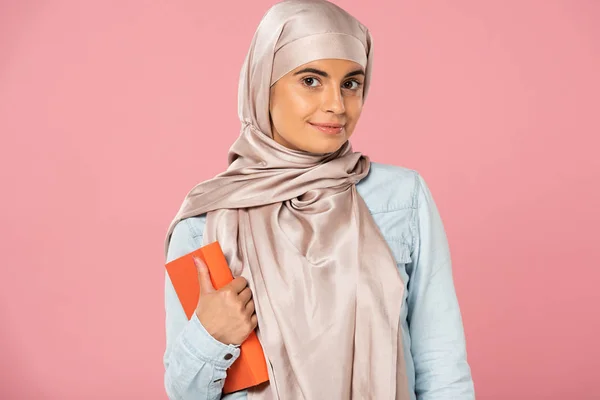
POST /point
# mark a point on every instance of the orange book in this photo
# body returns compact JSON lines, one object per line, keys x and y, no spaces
{"x":250,"y":368}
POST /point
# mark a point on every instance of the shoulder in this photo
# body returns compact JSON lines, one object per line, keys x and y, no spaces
{"x":190,"y":228}
{"x":186,"y":236}
{"x":390,"y":187}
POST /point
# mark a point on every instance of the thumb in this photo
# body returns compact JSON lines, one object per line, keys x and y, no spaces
{"x":203,"y":277}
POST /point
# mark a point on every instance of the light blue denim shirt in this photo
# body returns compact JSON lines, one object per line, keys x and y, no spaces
{"x":432,"y":331}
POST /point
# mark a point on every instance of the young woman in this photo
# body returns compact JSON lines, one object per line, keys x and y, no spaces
{"x":341,"y":265}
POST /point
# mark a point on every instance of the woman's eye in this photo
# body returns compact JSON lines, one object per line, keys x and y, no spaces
{"x":310,"y":81}
{"x":348,"y":85}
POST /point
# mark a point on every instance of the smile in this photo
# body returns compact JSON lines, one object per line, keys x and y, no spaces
{"x":333,"y":129}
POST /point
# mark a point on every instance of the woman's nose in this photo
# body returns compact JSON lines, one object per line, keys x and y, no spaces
{"x":333,"y":101}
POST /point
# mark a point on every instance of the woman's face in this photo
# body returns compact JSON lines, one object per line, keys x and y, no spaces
{"x":322,"y":92}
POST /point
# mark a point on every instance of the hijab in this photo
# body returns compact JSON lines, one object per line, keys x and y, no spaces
{"x":325,"y":284}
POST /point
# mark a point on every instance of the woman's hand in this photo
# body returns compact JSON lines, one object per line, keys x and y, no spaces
{"x":227,"y":314}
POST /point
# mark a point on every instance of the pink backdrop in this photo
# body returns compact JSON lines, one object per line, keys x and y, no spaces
{"x":111,"y":111}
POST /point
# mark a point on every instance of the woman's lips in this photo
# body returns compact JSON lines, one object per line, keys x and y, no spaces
{"x":330,"y":129}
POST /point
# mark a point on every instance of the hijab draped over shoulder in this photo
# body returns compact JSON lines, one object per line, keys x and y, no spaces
{"x":326,"y":287}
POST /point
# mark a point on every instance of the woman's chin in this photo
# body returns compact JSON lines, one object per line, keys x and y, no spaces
{"x":324,"y":148}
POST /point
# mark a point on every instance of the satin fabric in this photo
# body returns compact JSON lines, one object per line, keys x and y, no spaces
{"x":325,"y":284}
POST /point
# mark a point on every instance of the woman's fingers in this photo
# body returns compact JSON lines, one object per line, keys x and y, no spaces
{"x":250,"y":307}
{"x":206,"y":285}
{"x":245,"y":295}
{"x":238,"y":284}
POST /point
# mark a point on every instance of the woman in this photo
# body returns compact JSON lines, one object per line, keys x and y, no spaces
{"x":342,"y":265}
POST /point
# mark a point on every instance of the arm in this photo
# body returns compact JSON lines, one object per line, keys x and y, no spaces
{"x":195,"y":363}
{"x":435,"y":322}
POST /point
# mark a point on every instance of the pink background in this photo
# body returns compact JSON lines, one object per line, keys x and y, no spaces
{"x":111,"y":111}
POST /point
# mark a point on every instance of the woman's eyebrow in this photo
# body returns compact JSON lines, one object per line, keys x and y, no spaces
{"x":354,"y":73}
{"x":326,"y":75}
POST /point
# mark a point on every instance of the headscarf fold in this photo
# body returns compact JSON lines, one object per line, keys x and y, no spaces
{"x":326,"y":287}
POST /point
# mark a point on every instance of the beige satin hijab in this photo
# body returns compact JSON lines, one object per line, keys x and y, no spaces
{"x":326,"y":286}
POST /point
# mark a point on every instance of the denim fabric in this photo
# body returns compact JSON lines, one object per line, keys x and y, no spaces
{"x":432,"y":331}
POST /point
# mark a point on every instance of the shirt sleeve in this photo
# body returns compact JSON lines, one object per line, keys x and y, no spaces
{"x":437,"y":336}
{"x":195,"y":362}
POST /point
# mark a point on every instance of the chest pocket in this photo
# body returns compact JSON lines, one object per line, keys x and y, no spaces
{"x":395,"y":226}
{"x":400,"y":250}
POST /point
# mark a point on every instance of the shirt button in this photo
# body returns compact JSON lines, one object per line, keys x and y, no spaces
{"x":228,"y":356}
